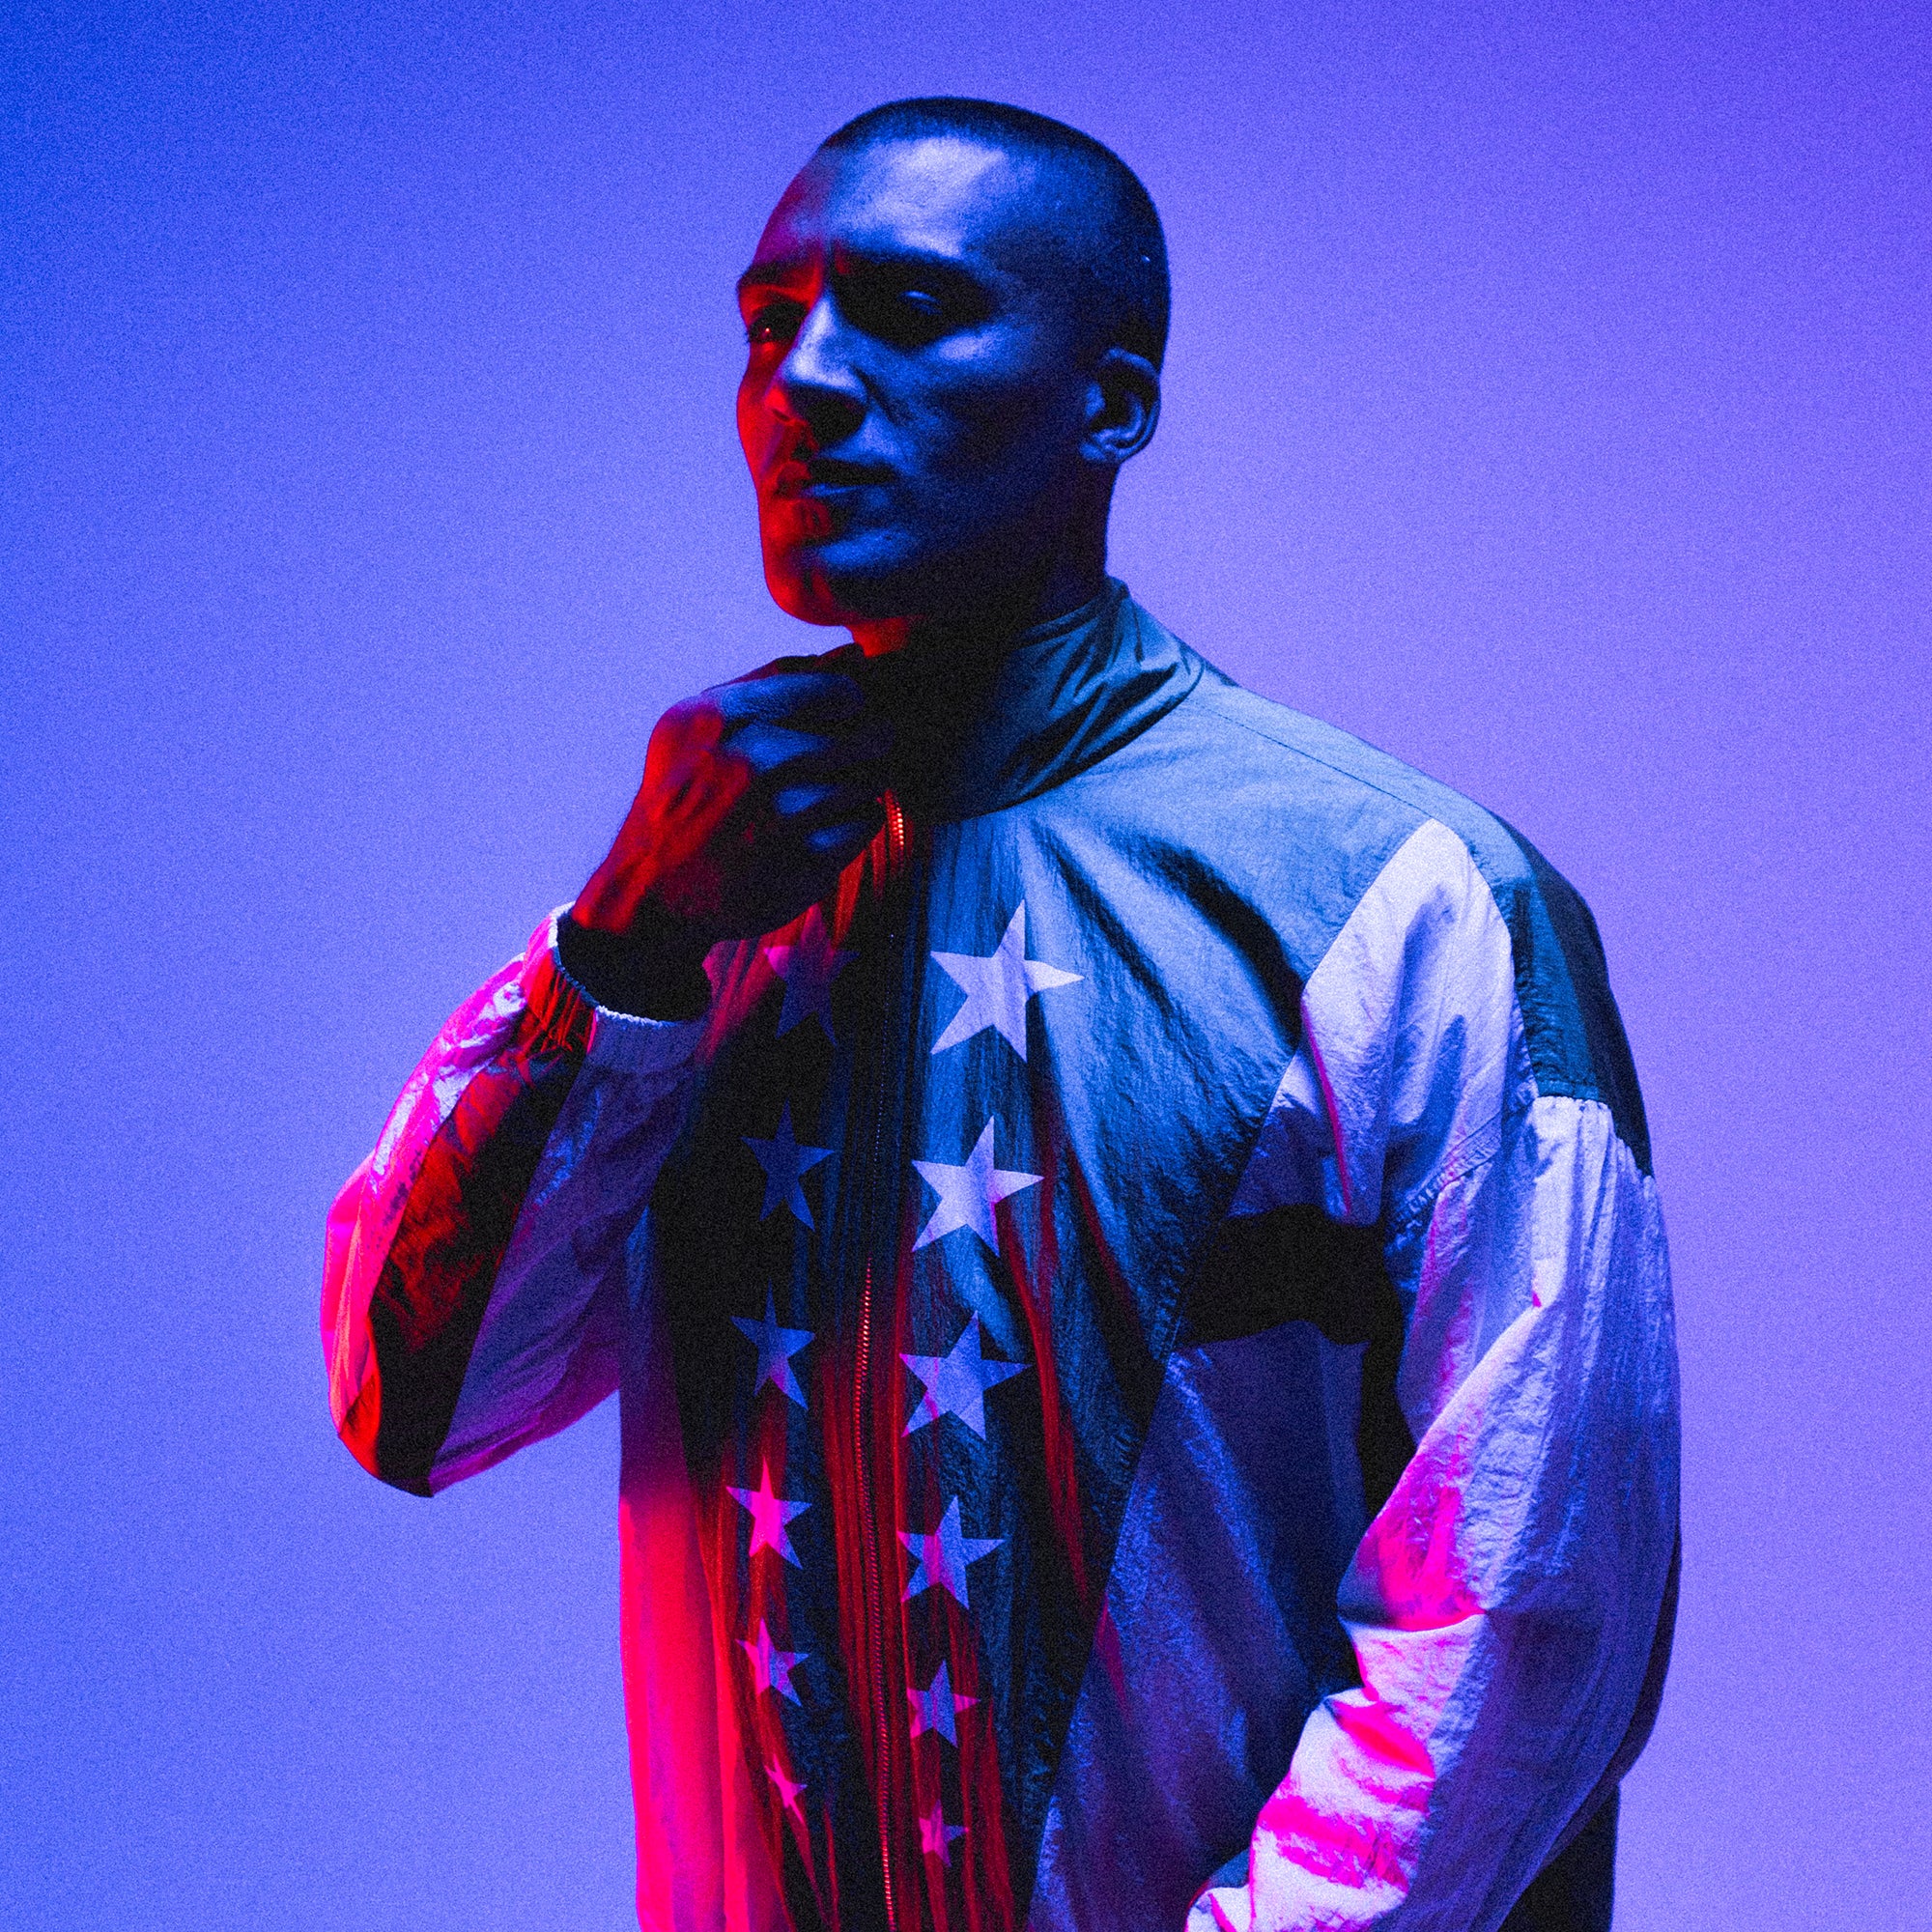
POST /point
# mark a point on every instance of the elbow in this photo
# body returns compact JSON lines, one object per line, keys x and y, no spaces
{"x":412,"y":1482}
{"x":359,"y":1424}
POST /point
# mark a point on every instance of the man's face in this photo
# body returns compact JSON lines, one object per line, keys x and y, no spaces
{"x":912,"y":399}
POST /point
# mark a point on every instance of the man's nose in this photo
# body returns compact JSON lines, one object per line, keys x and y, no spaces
{"x":816,"y":383}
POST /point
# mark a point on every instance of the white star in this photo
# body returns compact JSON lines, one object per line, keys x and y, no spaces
{"x":968,"y":1194}
{"x":998,"y":988}
{"x":936,"y":1835}
{"x":943,"y":1556}
{"x":807,"y":967}
{"x":776,"y":1348}
{"x":770,"y":1513}
{"x":956,"y":1383}
{"x":785,"y":1163}
{"x":789,"y":1792}
{"x":771,"y":1667}
{"x":937,"y":1708}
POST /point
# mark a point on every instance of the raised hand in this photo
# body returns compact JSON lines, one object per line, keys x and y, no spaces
{"x":755,"y":796}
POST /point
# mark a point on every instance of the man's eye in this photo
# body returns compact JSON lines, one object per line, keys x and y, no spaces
{"x":773,"y":321}
{"x":901,"y":315}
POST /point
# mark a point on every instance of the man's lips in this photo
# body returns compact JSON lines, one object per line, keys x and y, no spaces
{"x":821,"y":475}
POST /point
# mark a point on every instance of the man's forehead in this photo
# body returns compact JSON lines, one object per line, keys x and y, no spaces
{"x":940,"y":194}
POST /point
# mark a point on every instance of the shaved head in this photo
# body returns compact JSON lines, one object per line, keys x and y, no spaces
{"x":1091,"y":210}
{"x":953,"y":320}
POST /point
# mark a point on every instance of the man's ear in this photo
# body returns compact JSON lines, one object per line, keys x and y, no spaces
{"x":1122,"y":408}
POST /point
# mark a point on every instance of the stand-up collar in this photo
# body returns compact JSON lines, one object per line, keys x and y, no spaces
{"x":982,"y":722}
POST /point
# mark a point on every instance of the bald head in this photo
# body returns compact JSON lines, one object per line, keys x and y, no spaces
{"x":1088,"y":209}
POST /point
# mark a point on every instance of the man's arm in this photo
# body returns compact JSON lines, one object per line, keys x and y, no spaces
{"x":1505,"y":1599}
{"x":475,"y":1266}
{"x":475,"y":1269}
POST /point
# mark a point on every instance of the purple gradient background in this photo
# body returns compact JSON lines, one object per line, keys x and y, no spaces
{"x":1547,"y":403}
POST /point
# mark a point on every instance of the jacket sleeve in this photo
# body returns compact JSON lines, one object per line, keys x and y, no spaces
{"x":1508,"y":1604}
{"x":475,"y":1269}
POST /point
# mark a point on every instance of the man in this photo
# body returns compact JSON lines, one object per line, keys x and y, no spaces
{"x":1121,"y":1217}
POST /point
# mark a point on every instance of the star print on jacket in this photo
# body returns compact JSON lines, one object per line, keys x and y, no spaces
{"x":937,"y":1708}
{"x":788,"y":1790}
{"x":997,"y":989}
{"x":776,"y":1348}
{"x":936,"y":1835}
{"x":770,"y":1513}
{"x":807,"y":967}
{"x":968,"y":1194}
{"x":956,"y":1383}
{"x":786,"y":1162}
{"x":943,"y":1556}
{"x":771,"y":1667}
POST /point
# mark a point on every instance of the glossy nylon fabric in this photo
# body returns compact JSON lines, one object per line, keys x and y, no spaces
{"x":1129,"y":1106}
{"x":1008,"y":1155}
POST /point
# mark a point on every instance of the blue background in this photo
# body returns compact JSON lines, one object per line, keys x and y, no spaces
{"x":1548,"y":401}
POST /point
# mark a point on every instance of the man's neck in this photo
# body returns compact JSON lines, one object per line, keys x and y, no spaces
{"x":1017,"y":606}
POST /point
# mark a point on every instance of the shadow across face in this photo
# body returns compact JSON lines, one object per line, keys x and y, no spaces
{"x":931,"y":422}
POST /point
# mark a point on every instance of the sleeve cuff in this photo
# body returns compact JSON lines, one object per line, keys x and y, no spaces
{"x":625,"y":1041}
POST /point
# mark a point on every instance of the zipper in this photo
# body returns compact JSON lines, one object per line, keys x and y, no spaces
{"x":896,"y":851}
{"x":874,"y":1584}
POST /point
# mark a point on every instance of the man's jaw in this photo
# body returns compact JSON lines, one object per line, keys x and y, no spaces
{"x":838,"y":553}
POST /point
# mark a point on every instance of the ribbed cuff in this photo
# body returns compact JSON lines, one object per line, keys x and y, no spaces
{"x":632,"y":1043}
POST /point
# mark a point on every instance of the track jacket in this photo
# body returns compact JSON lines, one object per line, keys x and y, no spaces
{"x":1142,"y":1323}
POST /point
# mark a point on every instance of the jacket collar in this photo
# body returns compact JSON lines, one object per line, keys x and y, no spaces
{"x":980,"y":724}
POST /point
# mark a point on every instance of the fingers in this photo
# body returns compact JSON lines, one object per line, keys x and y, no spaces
{"x":835,"y":846}
{"x":800,"y":727}
{"x":755,"y":796}
{"x":804,"y":807}
{"x":779,"y":757}
{"x":793,"y":697}
{"x":791,"y":871}
{"x":770,"y":748}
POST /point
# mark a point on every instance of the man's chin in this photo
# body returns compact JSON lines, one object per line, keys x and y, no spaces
{"x":829,"y":584}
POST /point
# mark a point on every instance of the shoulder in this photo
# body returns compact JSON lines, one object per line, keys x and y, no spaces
{"x":1431,"y":846}
{"x":1365,"y":792}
